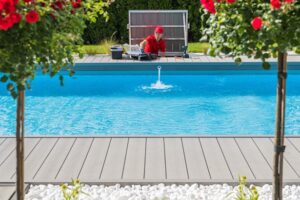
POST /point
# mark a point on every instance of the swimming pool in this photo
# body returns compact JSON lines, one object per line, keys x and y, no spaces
{"x":124,"y":103}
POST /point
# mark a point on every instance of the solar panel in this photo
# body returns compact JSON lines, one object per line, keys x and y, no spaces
{"x":175,"y":22}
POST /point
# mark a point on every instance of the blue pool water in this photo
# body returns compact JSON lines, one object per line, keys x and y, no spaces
{"x":208,"y":104}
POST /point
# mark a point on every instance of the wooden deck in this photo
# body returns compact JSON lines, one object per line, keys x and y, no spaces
{"x":196,"y":62}
{"x":144,"y":160}
{"x":194,"y":58}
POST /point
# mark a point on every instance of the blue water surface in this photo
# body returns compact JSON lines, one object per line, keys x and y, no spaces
{"x":123,"y":104}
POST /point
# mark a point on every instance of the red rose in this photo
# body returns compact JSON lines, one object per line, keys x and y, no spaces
{"x":76,"y":3}
{"x":28,"y":1}
{"x":16,"y":18}
{"x":209,"y":5}
{"x":6,"y":23}
{"x":230,"y":1}
{"x":32,"y":17}
{"x":1,"y":6}
{"x":57,"y":5}
{"x":276,"y":4}
{"x":257,"y":23}
{"x":8,"y":6}
{"x":53,"y":16}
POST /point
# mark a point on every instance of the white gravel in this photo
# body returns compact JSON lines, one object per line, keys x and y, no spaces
{"x":156,"y":192}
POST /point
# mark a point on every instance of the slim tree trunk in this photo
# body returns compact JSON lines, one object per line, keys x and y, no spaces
{"x":279,"y":130}
{"x":20,"y":145}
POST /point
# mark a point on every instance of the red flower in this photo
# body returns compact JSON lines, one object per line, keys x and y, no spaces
{"x":8,"y":17}
{"x":230,"y":1}
{"x":8,"y":6}
{"x":209,"y":5}
{"x":76,"y":3}
{"x":58,"y":5}
{"x":53,"y":16}
{"x":28,"y":1}
{"x":257,"y":23}
{"x":276,"y":4}
{"x":16,"y":18}
{"x":32,"y":17}
{"x":6,"y":23}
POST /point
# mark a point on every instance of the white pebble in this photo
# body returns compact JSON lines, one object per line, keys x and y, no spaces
{"x":156,"y":192}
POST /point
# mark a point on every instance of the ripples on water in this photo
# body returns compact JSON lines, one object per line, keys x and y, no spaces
{"x":200,"y":104}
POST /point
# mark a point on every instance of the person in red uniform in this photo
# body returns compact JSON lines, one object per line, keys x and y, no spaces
{"x":153,"y":44}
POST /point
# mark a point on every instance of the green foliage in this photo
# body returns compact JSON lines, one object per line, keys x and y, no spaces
{"x":48,"y":44}
{"x":230,"y":31}
{"x":118,"y":19}
{"x":104,"y":47}
{"x":243,"y":192}
{"x":198,"y":47}
{"x":71,"y":192}
{"x":95,"y":8}
{"x":194,"y":17}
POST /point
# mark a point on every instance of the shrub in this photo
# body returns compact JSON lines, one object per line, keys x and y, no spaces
{"x":118,"y":19}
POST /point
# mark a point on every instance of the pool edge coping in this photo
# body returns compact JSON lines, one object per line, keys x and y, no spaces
{"x":151,"y":136}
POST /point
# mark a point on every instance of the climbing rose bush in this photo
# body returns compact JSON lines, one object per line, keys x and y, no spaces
{"x":41,"y":34}
{"x":258,"y":28}
{"x":13,"y":11}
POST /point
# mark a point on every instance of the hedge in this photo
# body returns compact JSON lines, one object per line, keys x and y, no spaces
{"x":116,"y":27}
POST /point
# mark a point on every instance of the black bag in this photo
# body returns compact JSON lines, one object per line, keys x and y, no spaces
{"x":145,"y":56}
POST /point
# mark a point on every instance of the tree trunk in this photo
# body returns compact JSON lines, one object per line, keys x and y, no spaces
{"x":20,"y":145}
{"x":279,"y":130}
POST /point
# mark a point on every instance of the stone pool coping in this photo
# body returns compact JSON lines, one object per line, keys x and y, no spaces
{"x":196,"y":62}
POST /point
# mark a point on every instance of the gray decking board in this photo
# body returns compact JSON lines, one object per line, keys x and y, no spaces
{"x":37,"y":157}
{"x":265,"y":145}
{"x":235,"y":159}
{"x":175,"y":165}
{"x":94,"y":162}
{"x":135,"y":159}
{"x":2,"y":140}
{"x":7,"y":169}
{"x":114,"y":162}
{"x":149,"y":159}
{"x":54,"y":161}
{"x":7,"y":191}
{"x":75,"y":159}
{"x":259,"y":166}
{"x":6,"y":148}
{"x":155,"y":165}
{"x":295,"y":142}
{"x":292,"y":156}
{"x":193,"y":58}
{"x":215,"y":160}
{"x":195,"y":161}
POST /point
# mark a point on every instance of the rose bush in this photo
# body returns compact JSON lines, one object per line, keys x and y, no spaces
{"x":258,"y":29}
{"x":41,"y":33}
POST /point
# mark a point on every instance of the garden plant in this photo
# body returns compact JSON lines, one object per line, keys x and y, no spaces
{"x":261,"y":29}
{"x":39,"y":35}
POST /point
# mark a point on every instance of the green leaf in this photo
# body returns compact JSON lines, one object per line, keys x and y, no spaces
{"x":4,"y":78}
{"x":238,"y":60}
{"x":61,"y":80}
{"x":266,"y":65}
{"x":10,"y":86}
